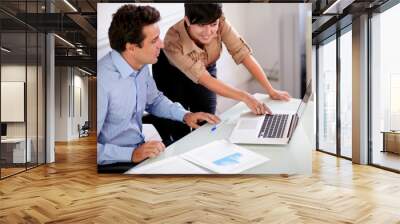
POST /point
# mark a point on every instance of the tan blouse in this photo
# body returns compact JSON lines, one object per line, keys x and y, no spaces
{"x":182,"y":52}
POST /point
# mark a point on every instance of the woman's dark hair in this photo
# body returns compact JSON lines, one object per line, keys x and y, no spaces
{"x":203,"y":13}
{"x":127,"y":25}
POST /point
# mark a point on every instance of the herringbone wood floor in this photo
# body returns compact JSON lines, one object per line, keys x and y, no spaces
{"x":71,"y":191}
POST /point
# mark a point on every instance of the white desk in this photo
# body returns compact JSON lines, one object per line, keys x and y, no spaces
{"x":19,"y":149}
{"x":294,"y":158}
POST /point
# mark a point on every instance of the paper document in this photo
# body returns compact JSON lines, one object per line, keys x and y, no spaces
{"x":171,"y":165}
{"x":224,"y":157}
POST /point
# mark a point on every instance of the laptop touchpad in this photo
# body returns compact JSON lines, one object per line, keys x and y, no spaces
{"x":247,"y":124}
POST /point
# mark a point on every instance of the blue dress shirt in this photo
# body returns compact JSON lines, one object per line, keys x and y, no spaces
{"x":123,"y":94}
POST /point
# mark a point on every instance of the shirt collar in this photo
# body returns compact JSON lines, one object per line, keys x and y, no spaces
{"x":122,"y":66}
{"x":188,"y":44}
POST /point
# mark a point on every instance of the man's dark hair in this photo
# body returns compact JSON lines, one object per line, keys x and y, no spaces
{"x":203,"y":13}
{"x":127,"y":25}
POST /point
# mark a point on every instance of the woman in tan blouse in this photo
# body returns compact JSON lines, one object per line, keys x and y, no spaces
{"x":186,"y":70}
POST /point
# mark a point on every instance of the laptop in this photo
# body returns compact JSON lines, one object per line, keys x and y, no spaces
{"x":276,"y":129}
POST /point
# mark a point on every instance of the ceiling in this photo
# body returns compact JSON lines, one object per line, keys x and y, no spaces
{"x":76,"y":20}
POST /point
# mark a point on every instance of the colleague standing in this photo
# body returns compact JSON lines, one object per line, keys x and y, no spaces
{"x":186,"y":71}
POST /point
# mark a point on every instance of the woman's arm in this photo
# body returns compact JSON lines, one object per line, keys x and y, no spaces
{"x":255,"y":69}
{"x":228,"y":91}
{"x":241,"y":54}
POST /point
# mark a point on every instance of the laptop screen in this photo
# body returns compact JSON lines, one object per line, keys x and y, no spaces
{"x":300,"y":109}
{"x":305,"y":99}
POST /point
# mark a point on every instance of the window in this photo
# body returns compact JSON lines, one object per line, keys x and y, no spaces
{"x":327,"y":97}
{"x":385,"y":88}
{"x":346,"y":93}
{"x":22,"y":68}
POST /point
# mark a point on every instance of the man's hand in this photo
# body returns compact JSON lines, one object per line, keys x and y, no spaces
{"x":192,"y":119}
{"x":256,"y":106}
{"x":149,"y":149}
{"x":279,"y":95}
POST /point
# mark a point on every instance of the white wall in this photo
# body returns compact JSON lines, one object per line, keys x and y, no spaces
{"x":277,"y":36}
{"x":61,"y":103}
{"x":79,"y":117}
{"x":67,"y":115}
{"x":275,"y":32}
{"x":13,"y":101}
{"x":33,"y":126}
{"x":228,"y":71}
{"x":15,"y":72}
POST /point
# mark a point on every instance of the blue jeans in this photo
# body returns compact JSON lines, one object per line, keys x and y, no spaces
{"x":198,"y":97}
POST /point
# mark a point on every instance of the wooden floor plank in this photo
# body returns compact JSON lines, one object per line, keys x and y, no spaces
{"x":71,"y":191}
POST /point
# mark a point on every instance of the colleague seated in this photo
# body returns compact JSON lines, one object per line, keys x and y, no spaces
{"x":126,"y":89}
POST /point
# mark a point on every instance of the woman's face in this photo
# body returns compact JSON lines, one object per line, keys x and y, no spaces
{"x":202,"y":33}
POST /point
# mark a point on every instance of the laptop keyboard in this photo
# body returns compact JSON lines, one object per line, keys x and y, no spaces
{"x":273,"y":126}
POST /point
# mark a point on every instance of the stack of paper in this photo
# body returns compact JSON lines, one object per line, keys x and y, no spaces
{"x":219,"y":156}
{"x":171,"y":165}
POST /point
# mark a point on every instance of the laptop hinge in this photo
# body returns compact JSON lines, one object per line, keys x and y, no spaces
{"x":293,"y":124}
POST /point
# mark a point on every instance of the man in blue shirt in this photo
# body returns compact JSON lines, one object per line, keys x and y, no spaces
{"x":126,"y":89}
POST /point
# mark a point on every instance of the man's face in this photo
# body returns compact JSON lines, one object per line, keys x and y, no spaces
{"x":151,"y":45}
{"x":203,"y":33}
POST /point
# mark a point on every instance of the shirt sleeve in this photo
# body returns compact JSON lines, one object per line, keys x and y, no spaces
{"x":235,"y":44}
{"x":190,"y":65}
{"x":108,"y":153}
{"x":160,"y":106}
